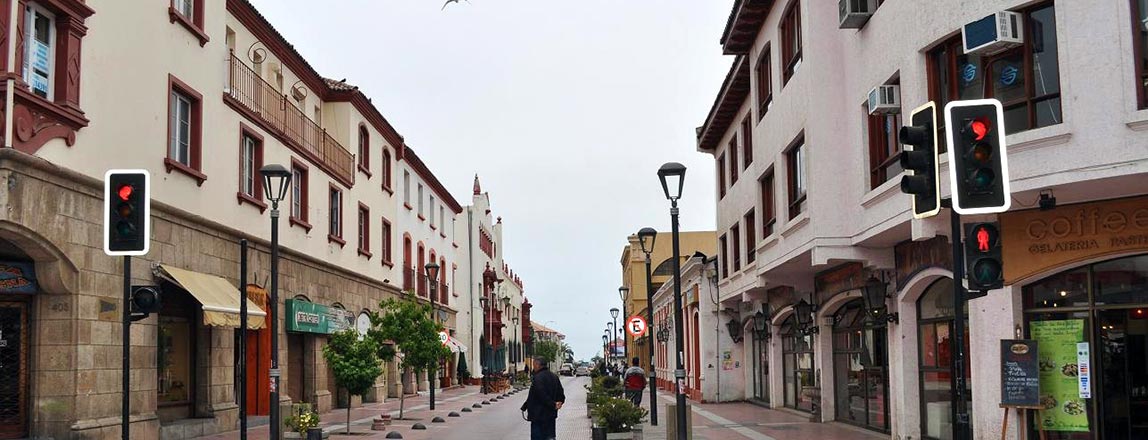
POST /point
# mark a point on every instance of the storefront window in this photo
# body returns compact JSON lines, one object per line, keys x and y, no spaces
{"x":859,"y":354}
{"x":797,"y":354}
{"x":935,"y":320}
{"x":1104,"y":305}
{"x":174,"y":359}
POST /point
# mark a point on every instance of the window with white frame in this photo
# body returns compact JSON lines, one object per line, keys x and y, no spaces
{"x":180,"y":144}
{"x":250,"y":150}
{"x":39,"y":49}
{"x":185,"y":8}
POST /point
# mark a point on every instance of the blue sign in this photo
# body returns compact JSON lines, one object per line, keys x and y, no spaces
{"x":968,"y":72}
{"x":18,"y":278}
{"x":1009,"y":75}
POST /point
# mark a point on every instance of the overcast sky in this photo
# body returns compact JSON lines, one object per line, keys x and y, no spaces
{"x":565,"y":110}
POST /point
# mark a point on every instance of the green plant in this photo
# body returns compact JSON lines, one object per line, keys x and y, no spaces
{"x":406,"y":323}
{"x":618,"y":415}
{"x":303,"y":419}
{"x":602,"y":389}
{"x":354,"y":363}
{"x":549,"y":350}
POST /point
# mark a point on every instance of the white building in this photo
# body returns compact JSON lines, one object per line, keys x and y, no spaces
{"x":809,"y":206}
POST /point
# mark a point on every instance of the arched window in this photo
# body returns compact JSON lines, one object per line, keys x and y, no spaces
{"x":408,"y":282}
{"x":935,"y":319}
{"x":422,"y":256}
{"x":797,"y":363}
{"x":364,"y":149}
{"x":859,"y":368}
{"x":443,"y":288}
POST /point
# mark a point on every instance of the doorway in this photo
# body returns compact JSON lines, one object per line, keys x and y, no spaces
{"x":13,"y":369}
{"x":760,"y":368}
{"x":859,"y":355}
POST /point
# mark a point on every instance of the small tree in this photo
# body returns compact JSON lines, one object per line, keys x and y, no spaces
{"x":354,"y":363}
{"x":548,"y":350}
{"x":407,"y":324}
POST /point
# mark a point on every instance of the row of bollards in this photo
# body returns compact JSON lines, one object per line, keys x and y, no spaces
{"x":381,"y":423}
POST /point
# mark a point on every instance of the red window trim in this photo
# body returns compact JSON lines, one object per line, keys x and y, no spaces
{"x":721,"y":176}
{"x":408,"y":206}
{"x":297,"y":164}
{"x":365,"y":214}
{"x":421,"y":218}
{"x":733,"y":159}
{"x":195,"y":145}
{"x":747,"y":141}
{"x":768,"y":202}
{"x":364,"y":159}
{"x":879,"y":159}
{"x":256,"y":200}
{"x":388,"y":246}
{"x":724,"y":242}
{"x":735,"y":231}
{"x":386,"y":173}
{"x":750,"y":220}
{"x":195,"y":24}
{"x":332,"y":238}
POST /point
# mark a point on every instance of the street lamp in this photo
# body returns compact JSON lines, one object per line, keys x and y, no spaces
{"x":514,"y":345}
{"x":614,"y":314}
{"x":622,"y":293}
{"x":803,"y":314}
{"x":874,"y":295}
{"x":486,"y":359}
{"x":734,"y":328}
{"x":760,"y":325}
{"x":277,"y":180}
{"x":432,"y":275}
{"x":646,"y":239}
{"x":605,"y":354}
{"x":673,"y":174}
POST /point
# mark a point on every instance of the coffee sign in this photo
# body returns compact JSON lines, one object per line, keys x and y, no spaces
{"x":1034,"y":241}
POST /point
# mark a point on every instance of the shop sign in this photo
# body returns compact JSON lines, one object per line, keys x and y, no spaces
{"x":1020,"y":381}
{"x":17,"y":278}
{"x":914,"y":256}
{"x":1063,"y":407}
{"x":1035,"y":241}
{"x":308,"y":317}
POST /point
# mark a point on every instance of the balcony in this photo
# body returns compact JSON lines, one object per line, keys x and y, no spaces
{"x":259,"y":101}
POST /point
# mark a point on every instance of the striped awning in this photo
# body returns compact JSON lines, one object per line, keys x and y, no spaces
{"x":220,"y":299}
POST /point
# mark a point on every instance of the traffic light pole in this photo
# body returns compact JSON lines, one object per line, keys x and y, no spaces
{"x":961,"y":428}
{"x":125,"y":384}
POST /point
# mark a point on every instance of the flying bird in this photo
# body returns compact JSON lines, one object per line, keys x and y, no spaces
{"x":449,"y":2}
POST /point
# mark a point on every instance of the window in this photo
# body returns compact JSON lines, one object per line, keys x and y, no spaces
{"x":796,"y":163}
{"x":364,"y":151}
{"x":724,"y":256}
{"x":407,"y":189}
{"x":1140,"y":47}
{"x":768,"y":218}
{"x":721,"y":176}
{"x":387,"y":246}
{"x":1026,"y":79}
{"x":299,"y":215}
{"x":364,"y":231}
{"x":764,"y":83}
{"x":189,"y":14}
{"x":335,"y":217}
{"x":442,"y":218}
{"x":420,"y":194}
{"x":884,"y":147}
{"x":735,"y":232}
{"x":750,"y":237}
{"x":250,"y":161}
{"x":39,"y":52}
{"x":747,"y":140}
{"x":387,"y":170}
{"x":430,"y":212}
{"x":184,"y":130}
{"x":791,"y":41}
{"x":733,"y":160}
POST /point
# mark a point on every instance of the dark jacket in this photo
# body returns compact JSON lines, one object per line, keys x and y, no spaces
{"x":545,"y":392}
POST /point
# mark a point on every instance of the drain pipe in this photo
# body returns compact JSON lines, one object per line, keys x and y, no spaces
{"x":717,"y":325}
{"x":10,"y":89}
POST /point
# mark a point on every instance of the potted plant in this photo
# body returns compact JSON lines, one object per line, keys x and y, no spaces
{"x":304,"y":424}
{"x":619,"y":418}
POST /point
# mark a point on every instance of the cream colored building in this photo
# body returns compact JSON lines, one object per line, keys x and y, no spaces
{"x":200,"y":94}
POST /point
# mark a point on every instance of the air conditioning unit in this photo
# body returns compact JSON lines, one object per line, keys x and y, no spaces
{"x":854,"y":13}
{"x":885,"y":99}
{"x":994,"y":33}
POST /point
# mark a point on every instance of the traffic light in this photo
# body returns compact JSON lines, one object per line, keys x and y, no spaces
{"x":127,"y":212}
{"x":922,"y":161}
{"x":978,"y":163}
{"x":983,"y":266}
{"x":145,"y":301}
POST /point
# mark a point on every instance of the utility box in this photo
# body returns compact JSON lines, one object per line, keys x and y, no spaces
{"x":672,"y":422}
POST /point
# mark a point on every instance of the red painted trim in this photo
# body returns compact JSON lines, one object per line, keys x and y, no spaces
{"x":408,"y":206}
{"x":196,"y":142}
{"x":196,"y":29}
{"x":366,"y":171}
{"x":342,"y":226}
{"x":432,"y":181}
{"x":304,"y":204}
{"x":388,"y":245}
{"x":442,"y":234}
{"x":336,"y":240}
{"x":247,"y":131}
{"x":300,"y":223}
{"x":172,"y":165}
{"x":421,"y":218}
{"x":244,"y":198}
{"x":433,"y":228}
{"x":388,"y":190}
{"x":363,"y":148}
{"x":365,"y":212}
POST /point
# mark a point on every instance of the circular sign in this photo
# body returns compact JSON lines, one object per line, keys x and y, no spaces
{"x":636,"y":326}
{"x":443,"y":337}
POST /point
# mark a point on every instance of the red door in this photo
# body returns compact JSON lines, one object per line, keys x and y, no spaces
{"x":258,"y":361}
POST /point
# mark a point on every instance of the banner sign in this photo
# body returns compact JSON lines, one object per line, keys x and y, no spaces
{"x":308,"y":317}
{"x":1020,"y":381}
{"x":1060,"y":389}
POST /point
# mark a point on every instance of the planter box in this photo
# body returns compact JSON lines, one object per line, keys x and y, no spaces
{"x":316,"y":433}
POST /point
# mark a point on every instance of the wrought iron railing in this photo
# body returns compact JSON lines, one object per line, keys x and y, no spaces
{"x":247,"y":89}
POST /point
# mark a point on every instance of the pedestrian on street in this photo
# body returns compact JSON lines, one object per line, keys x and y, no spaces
{"x":635,"y":382}
{"x":543,"y":401}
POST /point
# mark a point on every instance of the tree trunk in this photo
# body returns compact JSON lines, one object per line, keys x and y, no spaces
{"x":402,"y":391}
{"x":348,"y":416}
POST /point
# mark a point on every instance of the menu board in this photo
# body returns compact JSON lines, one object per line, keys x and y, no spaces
{"x":1063,"y":407}
{"x":1020,"y":373}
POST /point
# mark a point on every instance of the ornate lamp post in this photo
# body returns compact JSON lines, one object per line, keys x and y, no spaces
{"x":803,"y":314}
{"x":276,"y":181}
{"x":483,"y":300}
{"x":432,"y":277}
{"x":673,"y":174}
{"x":514,"y":345}
{"x":874,"y":296}
{"x":613,"y":336}
{"x":646,"y":239}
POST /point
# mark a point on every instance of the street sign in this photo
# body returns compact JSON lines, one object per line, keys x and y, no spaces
{"x":636,"y":326}
{"x":443,"y":337}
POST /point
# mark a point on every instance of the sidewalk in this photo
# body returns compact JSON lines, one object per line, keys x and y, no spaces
{"x":741,"y":421}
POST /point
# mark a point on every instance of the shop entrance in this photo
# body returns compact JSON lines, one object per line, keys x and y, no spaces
{"x":760,"y":368}
{"x":13,"y":369}
{"x":1106,"y":306}
{"x":797,"y":360}
{"x":859,"y":354}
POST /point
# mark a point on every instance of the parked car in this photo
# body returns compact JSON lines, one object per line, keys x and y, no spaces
{"x":567,"y":369}
{"x":582,"y":370}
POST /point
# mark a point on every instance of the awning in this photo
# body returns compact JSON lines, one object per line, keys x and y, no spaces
{"x":219,"y":298}
{"x":455,"y":346}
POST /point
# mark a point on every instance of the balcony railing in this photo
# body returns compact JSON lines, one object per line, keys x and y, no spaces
{"x":286,"y":122}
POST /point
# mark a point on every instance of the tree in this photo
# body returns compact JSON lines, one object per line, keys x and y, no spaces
{"x":548,"y":350}
{"x":407,"y":324}
{"x":354,"y":363}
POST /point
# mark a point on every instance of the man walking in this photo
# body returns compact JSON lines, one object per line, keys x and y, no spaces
{"x":543,"y":402}
{"x":635,"y":382}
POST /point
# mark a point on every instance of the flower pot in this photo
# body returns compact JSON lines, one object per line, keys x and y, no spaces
{"x":598,"y":433}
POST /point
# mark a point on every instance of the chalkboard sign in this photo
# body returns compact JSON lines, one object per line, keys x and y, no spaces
{"x":1020,"y":383}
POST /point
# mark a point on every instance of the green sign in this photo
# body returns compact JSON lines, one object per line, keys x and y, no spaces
{"x":308,"y":317}
{"x":1064,"y":410}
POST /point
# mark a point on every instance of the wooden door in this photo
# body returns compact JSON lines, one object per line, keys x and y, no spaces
{"x":13,"y":370}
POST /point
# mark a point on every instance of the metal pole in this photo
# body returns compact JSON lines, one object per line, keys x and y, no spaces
{"x":680,"y":371}
{"x":125,"y":315}
{"x":625,"y":335}
{"x":649,"y":330}
{"x":961,"y":427}
{"x":433,"y":292}
{"x":273,"y":316}
{"x":614,"y":333}
{"x":241,"y":363}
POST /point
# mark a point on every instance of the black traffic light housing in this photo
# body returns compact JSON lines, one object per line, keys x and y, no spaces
{"x":983,"y":266}
{"x":127,"y":212}
{"x":978,"y":161}
{"x":145,"y":301}
{"x":921,"y":161}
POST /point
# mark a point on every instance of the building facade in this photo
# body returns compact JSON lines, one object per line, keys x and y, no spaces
{"x":809,"y":209}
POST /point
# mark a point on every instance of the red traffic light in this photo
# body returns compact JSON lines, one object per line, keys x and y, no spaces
{"x":980,"y":128}
{"x":985,"y":236}
{"x":125,"y":192}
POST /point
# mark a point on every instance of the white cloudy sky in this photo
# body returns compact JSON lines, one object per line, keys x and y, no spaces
{"x":565,"y":109}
